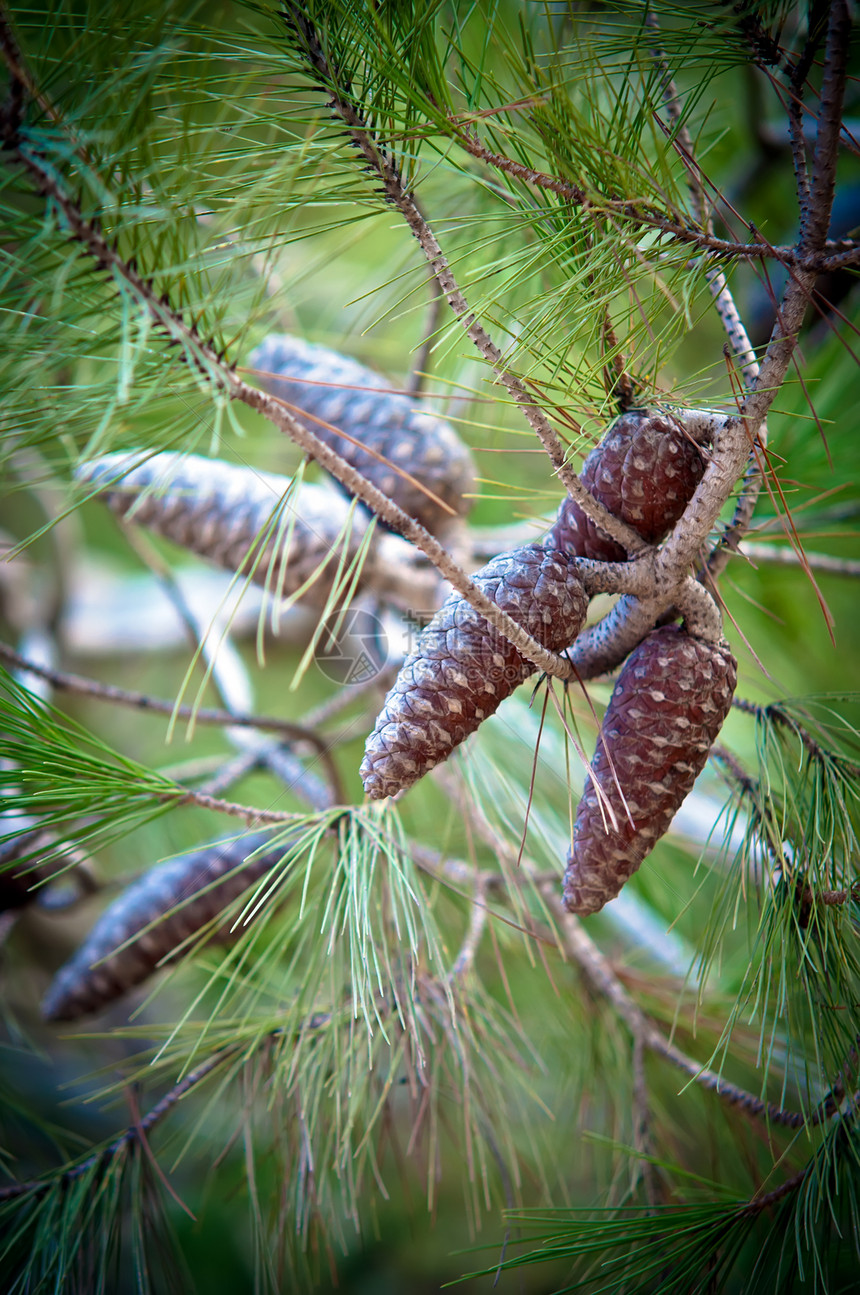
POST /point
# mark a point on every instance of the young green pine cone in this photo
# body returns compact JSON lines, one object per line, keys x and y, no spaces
{"x":166,"y":906}
{"x":645,"y":472}
{"x":462,"y":669}
{"x":335,"y":389}
{"x":664,"y":715}
{"x":219,"y":511}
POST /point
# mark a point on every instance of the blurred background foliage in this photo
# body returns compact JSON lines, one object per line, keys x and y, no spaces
{"x":209,"y":156}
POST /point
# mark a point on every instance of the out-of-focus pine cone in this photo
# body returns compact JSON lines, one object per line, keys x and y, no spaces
{"x":31,"y":857}
{"x":397,"y":427}
{"x":645,"y":472}
{"x":462,"y":668}
{"x":202,"y":883}
{"x":218,"y":511}
{"x":21,"y":876}
{"x":666,"y":710}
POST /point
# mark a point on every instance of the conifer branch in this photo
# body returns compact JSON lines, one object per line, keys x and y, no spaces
{"x":131,"y":1137}
{"x":599,"y":974}
{"x":735,"y":441}
{"x":75,"y":683}
{"x":598,"y":971}
{"x":642,"y":217}
{"x":398,"y":195}
{"x":775,"y":712}
{"x":664,"y":586}
{"x":201,"y":355}
{"x":730,"y":318}
{"x":249,"y":815}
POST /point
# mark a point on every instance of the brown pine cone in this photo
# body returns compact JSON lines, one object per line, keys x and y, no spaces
{"x":664,"y":715}
{"x":645,"y":472}
{"x":218,"y":511}
{"x":203,"y":883}
{"x":462,"y":669}
{"x":21,"y":878}
{"x":395,"y":426}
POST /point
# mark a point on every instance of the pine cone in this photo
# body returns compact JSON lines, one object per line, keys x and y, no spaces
{"x":23,"y":879}
{"x":204,"y":883}
{"x":462,"y":669}
{"x":218,"y":511}
{"x":645,"y":472}
{"x":20,"y":885}
{"x":664,"y":715}
{"x":395,"y":426}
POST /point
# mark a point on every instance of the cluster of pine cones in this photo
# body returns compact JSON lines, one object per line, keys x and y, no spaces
{"x":666,"y":710}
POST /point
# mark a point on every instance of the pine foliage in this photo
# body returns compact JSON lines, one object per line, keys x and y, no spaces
{"x":524,"y":213}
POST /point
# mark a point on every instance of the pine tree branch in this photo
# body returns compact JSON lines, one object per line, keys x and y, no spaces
{"x":202,"y":356}
{"x":797,"y":80}
{"x":730,"y":318}
{"x":641,"y":216}
{"x":397,"y":194}
{"x":765,"y":50}
{"x":132,"y":1136}
{"x":776,"y":713}
{"x":841,"y":261}
{"x":735,"y":441}
{"x":599,"y":974}
{"x":763,"y":819}
{"x":763,"y":1202}
{"x":76,"y":683}
{"x":815,"y":218}
{"x":249,"y":815}
{"x":600,"y":648}
{"x":598,"y":971}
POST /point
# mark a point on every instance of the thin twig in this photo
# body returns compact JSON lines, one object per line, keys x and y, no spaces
{"x":781,"y":556}
{"x":76,"y":683}
{"x":763,"y":1202}
{"x":598,"y":971}
{"x":477,"y":924}
{"x":251,"y":816}
{"x":130,"y":1137}
{"x":600,"y":975}
{"x":639,"y":214}
{"x":776,"y":713}
{"x":421,"y":362}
